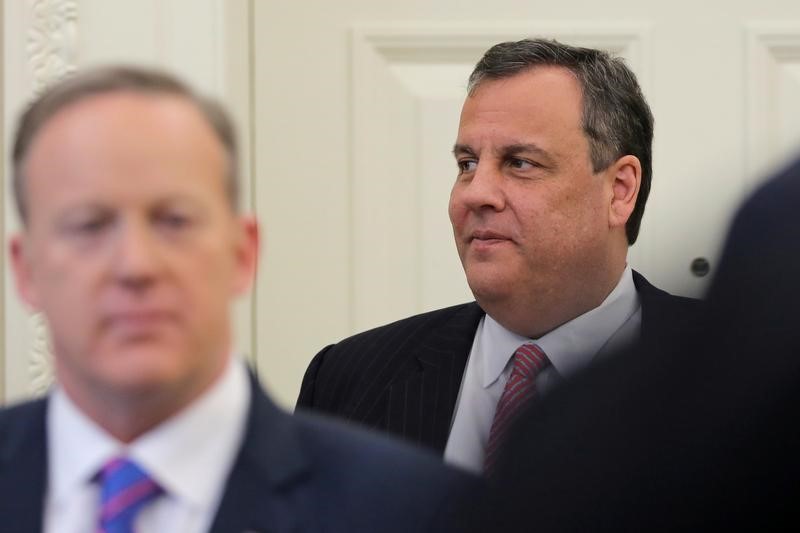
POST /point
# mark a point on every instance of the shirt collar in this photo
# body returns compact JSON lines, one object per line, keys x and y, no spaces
{"x":570,"y":346}
{"x":187,"y":455}
{"x":77,"y":448}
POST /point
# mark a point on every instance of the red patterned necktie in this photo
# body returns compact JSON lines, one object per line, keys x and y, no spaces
{"x":520,"y":388}
{"x":124,"y":490}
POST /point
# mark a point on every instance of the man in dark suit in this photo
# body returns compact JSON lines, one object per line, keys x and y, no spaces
{"x":699,"y":433}
{"x":554,"y":169}
{"x":133,"y":249}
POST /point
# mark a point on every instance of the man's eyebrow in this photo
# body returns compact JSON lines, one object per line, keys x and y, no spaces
{"x":506,"y":150}
{"x":462,"y":149}
{"x":543,"y":156}
{"x":515,"y":149}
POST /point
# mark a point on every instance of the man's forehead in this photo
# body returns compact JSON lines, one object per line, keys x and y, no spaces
{"x":127,"y":136}
{"x":111,"y":104}
{"x":510,"y":110}
{"x":131,"y":119}
{"x":536,"y":90}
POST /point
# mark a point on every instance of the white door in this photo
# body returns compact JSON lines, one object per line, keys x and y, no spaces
{"x":356,"y":110}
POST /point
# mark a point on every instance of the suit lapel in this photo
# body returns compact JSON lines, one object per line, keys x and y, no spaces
{"x":421,"y":401}
{"x":663,"y":314}
{"x":256,"y":497}
{"x":23,"y":467}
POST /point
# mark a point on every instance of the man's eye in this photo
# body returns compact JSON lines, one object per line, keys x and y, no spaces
{"x":174,"y":220}
{"x":89,"y":226}
{"x":467,"y":165}
{"x":520,"y":164}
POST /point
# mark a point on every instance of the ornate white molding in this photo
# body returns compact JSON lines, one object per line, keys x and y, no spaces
{"x":40,"y":366}
{"x":52,"y":49}
{"x":52,"y":41}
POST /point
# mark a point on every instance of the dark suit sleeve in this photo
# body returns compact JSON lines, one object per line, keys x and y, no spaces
{"x":306,"y":398}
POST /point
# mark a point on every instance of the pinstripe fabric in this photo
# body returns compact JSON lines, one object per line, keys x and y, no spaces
{"x":519,"y":390}
{"x":404,"y":377}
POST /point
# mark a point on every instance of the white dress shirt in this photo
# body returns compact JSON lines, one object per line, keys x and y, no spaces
{"x":570,"y":347}
{"x":189,"y":456}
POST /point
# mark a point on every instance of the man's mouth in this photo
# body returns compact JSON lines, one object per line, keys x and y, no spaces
{"x":137,"y":321}
{"x":488,"y":236}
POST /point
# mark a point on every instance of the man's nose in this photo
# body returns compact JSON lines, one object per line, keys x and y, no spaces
{"x":137,"y":255}
{"x":485,"y":190}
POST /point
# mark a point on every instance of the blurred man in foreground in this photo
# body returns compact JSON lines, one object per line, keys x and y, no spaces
{"x":133,"y":248}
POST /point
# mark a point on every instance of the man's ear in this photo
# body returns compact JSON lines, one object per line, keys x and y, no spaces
{"x":247,"y":250}
{"x":626,"y":178}
{"x":21,"y":264}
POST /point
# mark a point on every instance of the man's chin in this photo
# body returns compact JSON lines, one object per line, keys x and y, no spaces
{"x":489,"y":290}
{"x":490,"y":275}
{"x":142,"y":367}
{"x":141,"y":380}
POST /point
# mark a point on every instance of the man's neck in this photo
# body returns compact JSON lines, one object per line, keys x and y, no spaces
{"x":127,"y":415}
{"x":539,"y":314}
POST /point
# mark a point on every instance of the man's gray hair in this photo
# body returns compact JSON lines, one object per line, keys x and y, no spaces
{"x":616,"y":118}
{"x":111,"y":79}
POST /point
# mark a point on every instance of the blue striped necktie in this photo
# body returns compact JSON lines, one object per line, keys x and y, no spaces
{"x":124,"y":490}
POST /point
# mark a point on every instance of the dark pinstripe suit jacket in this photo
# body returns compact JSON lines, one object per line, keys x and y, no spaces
{"x":404,"y":377}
